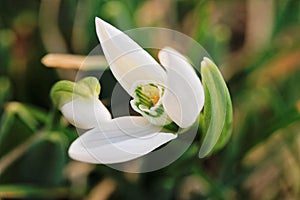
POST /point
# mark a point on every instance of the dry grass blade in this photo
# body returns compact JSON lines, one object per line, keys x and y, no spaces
{"x":78,"y":62}
{"x":103,"y":190}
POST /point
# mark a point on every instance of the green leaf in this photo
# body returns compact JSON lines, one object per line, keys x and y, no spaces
{"x":17,"y":123}
{"x":29,"y":115}
{"x":64,"y":91}
{"x":38,"y":160}
{"x":4,"y":89}
{"x":6,"y":122}
{"x":216,"y":119}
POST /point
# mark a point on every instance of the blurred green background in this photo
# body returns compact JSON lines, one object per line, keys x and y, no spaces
{"x":256,"y":44}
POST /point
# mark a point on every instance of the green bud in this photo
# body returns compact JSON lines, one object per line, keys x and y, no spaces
{"x":64,"y":91}
{"x":216,"y":118}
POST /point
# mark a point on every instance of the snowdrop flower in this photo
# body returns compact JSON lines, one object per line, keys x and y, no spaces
{"x":169,"y":96}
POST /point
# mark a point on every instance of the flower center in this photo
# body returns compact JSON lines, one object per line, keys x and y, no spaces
{"x":148,"y":95}
{"x":148,"y":102}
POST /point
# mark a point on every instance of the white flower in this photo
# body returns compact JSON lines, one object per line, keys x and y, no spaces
{"x":168,"y":98}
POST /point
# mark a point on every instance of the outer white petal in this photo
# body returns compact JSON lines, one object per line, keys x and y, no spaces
{"x":85,"y":113}
{"x":184,"y":96}
{"x":119,"y":140}
{"x":128,"y":61}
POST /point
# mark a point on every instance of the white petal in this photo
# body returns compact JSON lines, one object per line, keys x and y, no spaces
{"x":85,"y":113}
{"x":119,"y":140}
{"x":128,"y":61}
{"x":184,"y":96}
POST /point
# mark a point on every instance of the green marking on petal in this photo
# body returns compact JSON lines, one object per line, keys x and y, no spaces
{"x":155,"y":113}
{"x":147,"y":95}
{"x":143,"y":98}
{"x":147,"y":103}
{"x":64,"y":91}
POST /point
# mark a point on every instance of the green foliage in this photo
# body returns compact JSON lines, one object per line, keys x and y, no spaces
{"x":261,"y":158}
{"x":4,"y":89}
